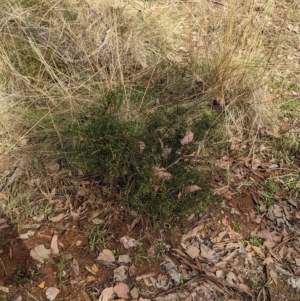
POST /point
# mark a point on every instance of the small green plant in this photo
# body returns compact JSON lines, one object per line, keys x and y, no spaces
{"x":96,"y":237}
{"x":270,"y":186}
{"x":254,"y":241}
{"x":61,"y":267}
{"x":140,"y":255}
{"x":116,"y":253}
{"x":235,"y":227}
{"x":161,"y":247}
{"x":141,"y":156}
{"x":21,"y":275}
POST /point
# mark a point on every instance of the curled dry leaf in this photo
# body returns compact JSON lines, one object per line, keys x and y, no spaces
{"x":54,"y":245}
{"x":75,"y":267}
{"x":121,"y":289}
{"x":188,"y":138}
{"x":193,"y":188}
{"x":142,"y":146}
{"x":57,"y":218}
{"x":31,"y":226}
{"x":40,"y":253}
{"x":192,"y":233}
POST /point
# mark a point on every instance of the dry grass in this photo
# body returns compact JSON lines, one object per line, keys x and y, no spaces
{"x":58,"y":58}
{"x":61,"y":56}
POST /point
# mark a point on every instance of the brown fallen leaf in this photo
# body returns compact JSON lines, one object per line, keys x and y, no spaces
{"x":4,"y":196}
{"x":106,"y":255}
{"x":121,"y":289}
{"x":188,"y":138}
{"x":192,"y":233}
{"x":91,"y":278}
{"x":54,"y":245}
{"x":75,"y":267}
{"x":42,"y":284}
{"x":107,"y":294}
{"x":162,"y":173}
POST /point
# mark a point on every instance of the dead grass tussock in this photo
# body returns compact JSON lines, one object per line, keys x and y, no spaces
{"x":59,"y":56}
{"x":231,"y":56}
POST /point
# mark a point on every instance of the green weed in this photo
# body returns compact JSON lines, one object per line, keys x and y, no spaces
{"x":125,"y":152}
{"x":96,"y":237}
{"x":61,"y":269}
{"x":140,"y":255}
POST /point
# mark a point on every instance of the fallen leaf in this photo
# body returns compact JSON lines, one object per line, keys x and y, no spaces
{"x":54,"y":245}
{"x":124,"y":258}
{"x":243,"y":287}
{"x":129,"y":242}
{"x":95,"y":268}
{"x":90,"y":278}
{"x":220,"y":237}
{"x":162,"y":173}
{"x":51,"y":293}
{"x":277,"y":211}
{"x":31,"y":226}
{"x":107,"y":294}
{"x":206,"y":252}
{"x":120,"y":273}
{"x":188,"y":138}
{"x":224,"y":162}
{"x":40,"y":253}
{"x":106,"y":255}
{"x":193,"y":188}
{"x":57,"y":218}
{"x":23,"y":142}
{"x":121,"y":290}
{"x":231,"y":278}
{"x":27,"y":234}
{"x":97,"y":221}
{"x":53,"y":166}
{"x":265,"y":234}
{"x":4,"y":196}
{"x":4,"y":289}
{"x":193,"y":252}
{"x":134,"y":293}
{"x":75,"y":267}
{"x":192,"y":233}
{"x":258,"y":251}
{"x":94,"y":214}
{"x":42,"y":284}
{"x":273,"y":275}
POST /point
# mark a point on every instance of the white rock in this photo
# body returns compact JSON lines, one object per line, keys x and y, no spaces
{"x":51,"y":293}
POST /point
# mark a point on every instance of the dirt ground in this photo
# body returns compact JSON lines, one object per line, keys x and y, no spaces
{"x":232,"y":252}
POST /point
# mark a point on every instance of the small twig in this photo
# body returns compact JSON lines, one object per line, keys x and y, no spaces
{"x":16,"y":296}
{"x":285,"y":240}
{"x":267,"y":265}
{"x":3,"y":266}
